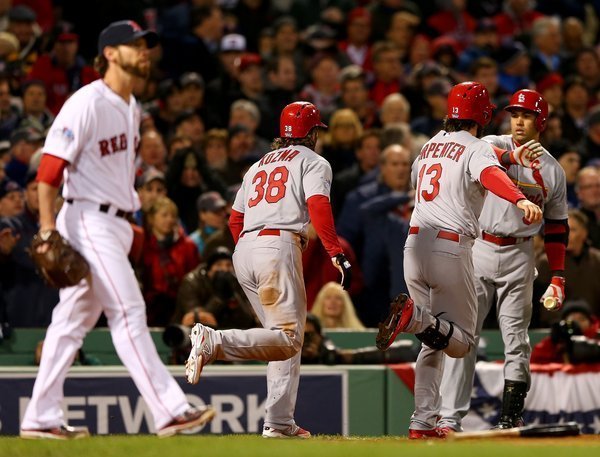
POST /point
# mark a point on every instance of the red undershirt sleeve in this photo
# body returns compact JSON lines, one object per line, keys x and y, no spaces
{"x":556,"y":238}
{"x":236,"y":224}
{"x":498,"y":183}
{"x":321,"y":217}
{"x":51,"y":170}
{"x":499,"y":153}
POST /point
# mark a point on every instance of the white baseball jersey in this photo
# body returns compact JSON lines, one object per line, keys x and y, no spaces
{"x":547,"y":188}
{"x":275,"y":189}
{"x":446,"y":178}
{"x":97,"y":132}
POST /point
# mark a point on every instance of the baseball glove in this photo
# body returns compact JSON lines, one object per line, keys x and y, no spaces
{"x":60,"y":264}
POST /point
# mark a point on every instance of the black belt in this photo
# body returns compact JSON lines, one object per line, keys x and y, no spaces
{"x":104,"y":207}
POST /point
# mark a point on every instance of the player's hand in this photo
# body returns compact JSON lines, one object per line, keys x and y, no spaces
{"x":554,"y":296}
{"x":341,"y":263}
{"x":527,"y":155}
{"x":533,"y":213}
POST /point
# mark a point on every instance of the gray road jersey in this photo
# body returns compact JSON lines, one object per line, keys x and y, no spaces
{"x":446,"y":179}
{"x":546,"y":188}
{"x":275,"y":189}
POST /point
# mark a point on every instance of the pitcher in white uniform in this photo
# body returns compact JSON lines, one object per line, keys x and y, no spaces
{"x":504,"y":266}
{"x":92,"y":145}
{"x":450,"y":175}
{"x":279,"y":195}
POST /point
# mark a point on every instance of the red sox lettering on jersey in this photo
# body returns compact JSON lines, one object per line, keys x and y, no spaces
{"x":108,"y":147}
{"x":113,"y":145}
{"x":92,"y":146}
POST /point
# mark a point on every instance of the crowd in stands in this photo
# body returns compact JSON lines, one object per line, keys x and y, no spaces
{"x":379,"y":71}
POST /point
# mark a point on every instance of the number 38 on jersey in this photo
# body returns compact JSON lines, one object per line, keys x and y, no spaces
{"x":269,"y":186}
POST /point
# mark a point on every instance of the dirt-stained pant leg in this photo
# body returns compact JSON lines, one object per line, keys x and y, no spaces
{"x":457,"y":381}
{"x":444,"y":270}
{"x":269,"y":269}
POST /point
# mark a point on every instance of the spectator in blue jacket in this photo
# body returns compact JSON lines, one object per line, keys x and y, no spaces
{"x":364,"y":222}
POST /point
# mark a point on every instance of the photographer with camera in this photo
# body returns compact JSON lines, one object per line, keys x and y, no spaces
{"x":211,"y":294}
{"x":575,"y":339}
{"x":318,"y":349}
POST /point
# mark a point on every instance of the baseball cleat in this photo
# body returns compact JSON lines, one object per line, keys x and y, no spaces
{"x":200,"y":353}
{"x":64,"y":432}
{"x":443,"y":432}
{"x":401,"y":311}
{"x":293,"y":431}
{"x":509,"y":422}
{"x":436,"y":433}
{"x":190,"y":422}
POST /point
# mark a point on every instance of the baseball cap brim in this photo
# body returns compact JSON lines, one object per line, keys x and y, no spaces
{"x":511,"y":108}
{"x":150,"y":37}
{"x":116,"y":35}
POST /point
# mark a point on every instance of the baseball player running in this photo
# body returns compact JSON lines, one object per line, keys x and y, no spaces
{"x":279,"y":194}
{"x":504,"y":266}
{"x":450,"y":176}
{"x":92,"y":144}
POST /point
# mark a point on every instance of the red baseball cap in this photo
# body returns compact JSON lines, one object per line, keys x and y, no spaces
{"x":247,"y":60}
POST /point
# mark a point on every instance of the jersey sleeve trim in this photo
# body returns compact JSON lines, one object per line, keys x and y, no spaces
{"x":51,"y":170}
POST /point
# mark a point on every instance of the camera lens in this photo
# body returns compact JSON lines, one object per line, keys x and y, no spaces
{"x":176,"y":336}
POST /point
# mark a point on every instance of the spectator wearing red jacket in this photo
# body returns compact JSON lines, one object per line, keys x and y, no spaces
{"x":516,"y":19}
{"x":62,"y":71}
{"x":357,"y":46}
{"x":453,"y":20}
{"x":168,"y":256}
{"x":387,"y":71}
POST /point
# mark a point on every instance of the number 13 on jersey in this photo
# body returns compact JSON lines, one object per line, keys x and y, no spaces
{"x":431,"y":174}
{"x":270,"y":186}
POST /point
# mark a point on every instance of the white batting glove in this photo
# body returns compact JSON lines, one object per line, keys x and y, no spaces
{"x":554,"y":296}
{"x":527,"y":155}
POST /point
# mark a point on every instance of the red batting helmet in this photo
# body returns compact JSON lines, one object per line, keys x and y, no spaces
{"x":530,"y":100}
{"x":298,"y":118}
{"x":470,"y":101}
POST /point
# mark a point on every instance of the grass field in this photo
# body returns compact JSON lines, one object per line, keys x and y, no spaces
{"x":246,"y":445}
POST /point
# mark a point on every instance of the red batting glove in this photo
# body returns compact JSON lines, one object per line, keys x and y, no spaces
{"x":527,"y":155}
{"x":554,"y":296}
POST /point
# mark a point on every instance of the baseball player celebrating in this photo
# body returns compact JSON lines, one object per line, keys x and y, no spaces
{"x":504,"y":266}
{"x":450,"y":176}
{"x":278,"y":196}
{"x":92,"y":145}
